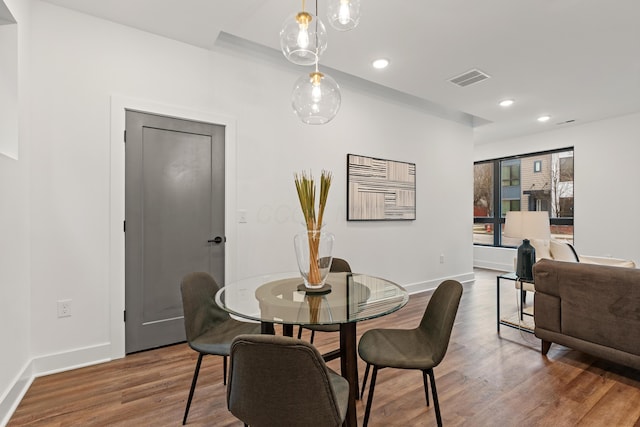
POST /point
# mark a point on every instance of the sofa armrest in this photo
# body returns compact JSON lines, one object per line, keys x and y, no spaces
{"x":547,"y":312}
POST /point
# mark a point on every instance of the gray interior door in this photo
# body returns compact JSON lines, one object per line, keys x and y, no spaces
{"x":174,"y":220}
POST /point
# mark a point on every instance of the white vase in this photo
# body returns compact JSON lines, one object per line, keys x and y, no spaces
{"x":314,"y":255}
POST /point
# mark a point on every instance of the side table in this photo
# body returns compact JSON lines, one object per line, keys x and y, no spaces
{"x":514,"y":278}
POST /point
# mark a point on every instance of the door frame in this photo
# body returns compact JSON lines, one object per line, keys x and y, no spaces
{"x":116,"y":277}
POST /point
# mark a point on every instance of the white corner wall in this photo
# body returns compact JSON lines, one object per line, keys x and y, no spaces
{"x":79,"y":63}
{"x":606,"y":174}
{"x":15,"y":290}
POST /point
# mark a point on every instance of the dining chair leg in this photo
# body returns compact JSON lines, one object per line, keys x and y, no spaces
{"x":193,"y":387}
{"x":224,"y":367}
{"x":367,"y":411}
{"x":426,"y":386}
{"x":313,"y":334}
{"x":364,"y":381}
{"x":435,"y":397}
{"x":299,"y":332}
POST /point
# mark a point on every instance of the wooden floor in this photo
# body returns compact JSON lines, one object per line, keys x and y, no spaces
{"x":485,"y":379}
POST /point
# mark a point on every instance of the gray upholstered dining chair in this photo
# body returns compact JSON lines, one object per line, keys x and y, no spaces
{"x":338,"y":265}
{"x":209,"y":328}
{"x":422,"y":348}
{"x":282,"y":381}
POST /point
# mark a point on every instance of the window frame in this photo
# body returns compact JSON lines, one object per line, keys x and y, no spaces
{"x":497,"y":222}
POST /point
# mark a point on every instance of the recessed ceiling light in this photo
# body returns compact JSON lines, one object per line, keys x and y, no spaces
{"x":380,"y":63}
{"x":544,"y":118}
{"x":506,"y":103}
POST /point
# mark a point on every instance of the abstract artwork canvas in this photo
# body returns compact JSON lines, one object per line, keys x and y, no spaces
{"x":379,"y":189}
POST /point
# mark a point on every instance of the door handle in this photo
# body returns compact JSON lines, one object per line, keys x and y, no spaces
{"x":216,"y":240}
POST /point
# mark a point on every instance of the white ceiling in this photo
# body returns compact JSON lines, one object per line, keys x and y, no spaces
{"x":5,"y":14}
{"x":572,"y":59}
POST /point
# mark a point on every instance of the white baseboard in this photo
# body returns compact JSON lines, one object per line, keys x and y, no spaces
{"x":489,"y":265}
{"x":14,"y":395}
{"x":73,"y":359}
{"x":46,"y":365}
{"x":494,"y":258}
{"x":414,"y":288}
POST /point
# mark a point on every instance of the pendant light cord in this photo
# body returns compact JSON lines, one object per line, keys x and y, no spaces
{"x":316,"y":36}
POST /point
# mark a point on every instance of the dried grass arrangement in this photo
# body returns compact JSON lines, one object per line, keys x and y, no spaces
{"x":306,"y":187}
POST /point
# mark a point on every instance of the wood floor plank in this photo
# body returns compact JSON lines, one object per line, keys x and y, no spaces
{"x":486,"y":379}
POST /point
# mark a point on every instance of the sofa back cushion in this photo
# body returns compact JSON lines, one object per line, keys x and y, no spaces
{"x":615,"y":262}
{"x":563,"y":251}
{"x":542,"y":249}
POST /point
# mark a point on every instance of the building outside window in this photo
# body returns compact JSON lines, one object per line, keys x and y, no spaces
{"x":532,"y":182}
{"x":510,"y":173}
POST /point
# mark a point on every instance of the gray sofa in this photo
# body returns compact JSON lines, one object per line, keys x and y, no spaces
{"x":589,"y":307}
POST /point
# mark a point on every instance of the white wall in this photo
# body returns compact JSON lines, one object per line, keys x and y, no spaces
{"x":79,"y":63}
{"x":9,"y":90}
{"x":606,"y":174}
{"x":14,"y":240}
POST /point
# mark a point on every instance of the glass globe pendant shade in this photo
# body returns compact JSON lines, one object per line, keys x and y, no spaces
{"x":303,"y":38}
{"x":343,"y":15}
{"x":316,"y":98}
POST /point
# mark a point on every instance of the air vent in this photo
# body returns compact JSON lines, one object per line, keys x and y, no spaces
{"x":469,"y":78}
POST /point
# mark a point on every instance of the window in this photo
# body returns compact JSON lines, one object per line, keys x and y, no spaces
{"x":510,"y":205}
{"x":566,"y":169}
{"x":566,"y":207}
{"x":483,"y":201}
{"x":510,"y":174}
{"x":521,"y":183}
{"x":483,"y":189}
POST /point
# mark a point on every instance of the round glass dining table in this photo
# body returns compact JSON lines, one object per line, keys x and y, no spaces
{"x":346,"y":298}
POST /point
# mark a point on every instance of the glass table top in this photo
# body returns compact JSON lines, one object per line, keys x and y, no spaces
{"x":275,"y":298}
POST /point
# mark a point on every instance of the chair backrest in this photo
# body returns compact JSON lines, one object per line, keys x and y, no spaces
{"x":338,"y":265}
{"x":201,"y":312}
{"x":280,"y":381}
{"x":439,"y":316}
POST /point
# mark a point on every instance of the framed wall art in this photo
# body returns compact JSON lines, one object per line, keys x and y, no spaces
{"x":380,"y":190}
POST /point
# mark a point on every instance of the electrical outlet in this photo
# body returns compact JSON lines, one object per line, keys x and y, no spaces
{"x":441,"y":258}
{"x":64,"y":308}
{"x":242,"y":216}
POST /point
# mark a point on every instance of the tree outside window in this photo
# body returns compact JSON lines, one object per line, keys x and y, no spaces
{"x":483,"y":189}
{"x":562,"y":185}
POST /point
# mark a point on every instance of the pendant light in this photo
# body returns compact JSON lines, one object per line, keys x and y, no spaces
{"x":343,"y":15}
{"x":303,"y":38}
{"x":316,"y":98}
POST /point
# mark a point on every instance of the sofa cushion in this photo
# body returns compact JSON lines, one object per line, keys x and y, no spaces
{"x":563,"y":251}
{"x":616,"y":262}
{"x":542,"y":248}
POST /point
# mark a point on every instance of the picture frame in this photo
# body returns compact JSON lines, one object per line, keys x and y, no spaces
{"x":380,"y":189}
